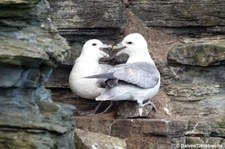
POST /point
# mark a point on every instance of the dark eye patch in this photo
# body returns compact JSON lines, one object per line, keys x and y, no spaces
{"x":129,"y":42}
{"x":94,"y":44}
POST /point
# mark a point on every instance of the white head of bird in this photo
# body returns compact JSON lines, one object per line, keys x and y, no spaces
{"x":136,"y":47}
{"x":92,"y":49}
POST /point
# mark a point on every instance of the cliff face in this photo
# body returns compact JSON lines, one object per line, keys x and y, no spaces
{"x":30,"y":48}
{"x":186,"y":40}
{"x":182,"y":17}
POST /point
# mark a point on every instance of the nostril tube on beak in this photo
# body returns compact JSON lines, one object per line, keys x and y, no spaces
{"x":118,"y":47}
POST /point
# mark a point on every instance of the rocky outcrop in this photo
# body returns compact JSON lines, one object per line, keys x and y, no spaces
{"x":194,"y":80}
{"x":182,"y":17}
{"x":194,"y":69}
{"x":208,"y":52}
{"x":79,"y":21}
{"x":30,"y":49}
{"x":186,"y":40}
{"x":138,"y":133}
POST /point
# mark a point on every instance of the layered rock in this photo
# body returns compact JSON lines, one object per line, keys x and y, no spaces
{"x":30,"y":49}
{"x":194,"y":81}
{"x":207,"y":52}
{"x":196,"y":72}
{"x":80,"y":21}
{"x":182,"y":17}
{"x":190,"y":102}
{"x":138,"y":133}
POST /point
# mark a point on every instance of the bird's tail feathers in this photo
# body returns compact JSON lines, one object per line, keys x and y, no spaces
{"x":103,"y":97}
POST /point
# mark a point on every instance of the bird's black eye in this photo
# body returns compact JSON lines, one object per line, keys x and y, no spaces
{"x":129,"y":42}
{"x":94,"y":44}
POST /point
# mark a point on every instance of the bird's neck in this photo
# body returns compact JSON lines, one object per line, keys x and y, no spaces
{"x":89,"y":58}
{"x":144,"y":57}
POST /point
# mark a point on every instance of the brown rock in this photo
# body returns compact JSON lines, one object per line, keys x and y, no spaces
{"x":86,"y":139}
{"x":139,"y":133}
{"x":132,"y":110}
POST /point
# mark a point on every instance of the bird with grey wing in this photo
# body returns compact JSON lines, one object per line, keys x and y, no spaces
{"x":137,"y":80}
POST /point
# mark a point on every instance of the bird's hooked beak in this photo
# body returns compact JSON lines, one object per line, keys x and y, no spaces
{"x":120,"y":48}
{"x":105,"y":48}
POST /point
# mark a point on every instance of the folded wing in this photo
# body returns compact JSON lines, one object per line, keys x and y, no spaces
{"x":144,"y":75}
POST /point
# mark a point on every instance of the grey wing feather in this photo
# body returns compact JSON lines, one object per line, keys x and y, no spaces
{"x":141,"y":74}
{"x":104,"y":69}
{"x":104,"y":73}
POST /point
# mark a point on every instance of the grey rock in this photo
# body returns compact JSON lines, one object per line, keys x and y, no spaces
{"x":195,"y":90}
{"x":187,"y":74}
{"x":29,"y":78}
{"x":46,"y":71}
{"x":24,"y":140}
{"x":194,"y":77}
{"x":34,"y":135}
{"x":193,"y":13}
{"x":14,"y":76}
{"x":31,"y":9}
{"x":19,"y":52}
{"x":80,"y":21}
{"x":9,"y":76}
{"x":48,"y":107}
{"x":22,"y":115}
{"x":198,"y":53}
{"x":188,"y":17}
{"x":18,"y":2}
{"x":59,"y":77}
{"x":32,"y":45}
{"x":18,"y":104}
{"x":89,"y":14}
{"x":42,"y":94}
{"x":30,"y":48}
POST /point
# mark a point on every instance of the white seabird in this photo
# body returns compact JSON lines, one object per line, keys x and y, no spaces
{"x":138,"y":79}
{"x":88,"y":64}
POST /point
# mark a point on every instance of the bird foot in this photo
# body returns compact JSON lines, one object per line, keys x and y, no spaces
{"x":94,"y":111}
{"x":149,"y":103}
{"x":87,"y":113}
{"x":90,"y":112}
{"x":108,"y":107}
